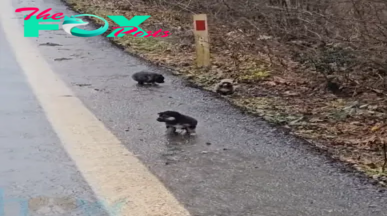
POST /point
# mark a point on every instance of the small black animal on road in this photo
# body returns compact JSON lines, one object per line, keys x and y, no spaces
{"x":175,"y":120}
{"x":144,"y":77}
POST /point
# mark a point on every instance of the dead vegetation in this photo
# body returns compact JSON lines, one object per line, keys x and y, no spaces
{"x":317,"y":67}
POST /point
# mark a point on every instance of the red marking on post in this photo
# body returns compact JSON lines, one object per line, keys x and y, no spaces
{"x":200,"y":25}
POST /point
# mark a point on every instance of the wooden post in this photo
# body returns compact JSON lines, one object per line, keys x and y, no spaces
{"x":201,"y":40}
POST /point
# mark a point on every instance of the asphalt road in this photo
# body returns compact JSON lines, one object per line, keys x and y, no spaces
{"x":73,"y":124}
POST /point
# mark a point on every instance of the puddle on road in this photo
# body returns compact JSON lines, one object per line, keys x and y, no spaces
{"x":82,"y":84}
{"x":49,"y":44}
{"x":176,"y":145}
{"x":62,"y":59}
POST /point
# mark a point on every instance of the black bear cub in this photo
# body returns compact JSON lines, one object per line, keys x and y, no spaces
{"x":175,"y":120}
{"x":144,"y":77}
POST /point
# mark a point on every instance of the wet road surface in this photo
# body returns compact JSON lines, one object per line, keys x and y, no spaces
{"x":35,"y":170}
{"x":236,"y":166}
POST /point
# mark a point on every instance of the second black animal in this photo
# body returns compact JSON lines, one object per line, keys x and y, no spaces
{"x":175,"y":120}
{"x":144,"y":77}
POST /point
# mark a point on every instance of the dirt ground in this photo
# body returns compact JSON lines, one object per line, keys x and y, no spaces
{"x":351,"y":127}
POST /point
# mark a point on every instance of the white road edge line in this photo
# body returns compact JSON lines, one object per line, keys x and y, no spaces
{"x":113,"y":172}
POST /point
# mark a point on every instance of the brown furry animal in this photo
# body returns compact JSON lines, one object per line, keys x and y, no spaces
{"x":225,"y":87}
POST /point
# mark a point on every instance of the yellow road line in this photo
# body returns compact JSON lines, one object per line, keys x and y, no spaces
{"x":113,"y":172}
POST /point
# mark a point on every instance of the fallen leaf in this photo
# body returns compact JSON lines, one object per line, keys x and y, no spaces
{"x":373,"y":107}
{"x":296,"y":121}
{"x":356,"y":123}
{"x":289,"y":93}
{"x":376,"y":127}
{"x":271,"y":83}
{"x":279,"y":80}
{"x":313,"y":120}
